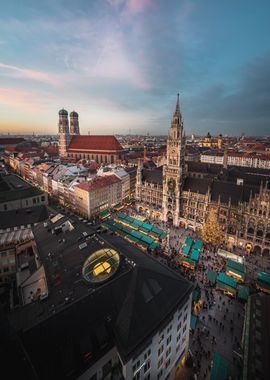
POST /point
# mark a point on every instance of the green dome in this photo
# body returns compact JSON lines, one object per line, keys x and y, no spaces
{"x":74,"y":114}
{"x":63,"y":112}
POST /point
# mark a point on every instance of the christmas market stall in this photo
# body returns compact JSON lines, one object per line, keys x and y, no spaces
{"x":263,"y":282}
{"x":227,"y":284}
{"x":236,"y":270}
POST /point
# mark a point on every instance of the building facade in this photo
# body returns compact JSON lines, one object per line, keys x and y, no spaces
{"x":72,"y":145}
{"x":184,"y":194}
{"x":97,"y":195}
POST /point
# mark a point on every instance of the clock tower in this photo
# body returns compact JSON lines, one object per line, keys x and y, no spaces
{"x":173,"y":171}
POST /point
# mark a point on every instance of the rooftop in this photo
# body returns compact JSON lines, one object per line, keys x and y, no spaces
{"x":80,"y":321}
{"x":99,"y":182}
{"x":23,"y":217}
{"x":12,"y":187}
{"x":11,"y":140}
{"x":94,"y":143}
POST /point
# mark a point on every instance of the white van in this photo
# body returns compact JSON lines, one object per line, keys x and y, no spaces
{"x":82,"y":246}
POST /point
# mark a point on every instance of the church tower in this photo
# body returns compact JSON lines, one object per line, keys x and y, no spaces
{"x":74,"y":123}
{"x":173,"y":171}
{"x":63,"y":133}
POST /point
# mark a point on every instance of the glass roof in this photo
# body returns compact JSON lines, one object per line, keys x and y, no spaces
{"x":101,"y":265}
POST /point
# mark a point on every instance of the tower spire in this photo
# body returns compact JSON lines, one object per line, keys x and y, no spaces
{"x":177,"y":108}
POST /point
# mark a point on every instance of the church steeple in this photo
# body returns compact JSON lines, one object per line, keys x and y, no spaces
{"x":177,"y":108}
{"x":176,"y":131}
{"x":173,"y":171}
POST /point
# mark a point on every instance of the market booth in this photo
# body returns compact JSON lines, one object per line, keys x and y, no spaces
{"x":227,"y":284}
{"x":236,"y":270}
{"x":185,"y":250}
{"x":188,"y":263}
{"x":263,"y":282}
{"x":198,"y":245}
{"x":195,"y":254}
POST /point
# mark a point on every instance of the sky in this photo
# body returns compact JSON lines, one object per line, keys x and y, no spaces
{"x":121,"y":63}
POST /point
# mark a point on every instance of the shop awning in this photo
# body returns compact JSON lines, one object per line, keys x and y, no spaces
{"x":153,"y":245}
{"x":118,"y":206}
{"x":227,"y":280}
{"x":221,"y":368}
{"x":193,"y":321}
{"x":185,"y":250}
{"x":189,"y":241}
{"x":263,"y":277}
{"x":187,"y":262}
{"x":198,"y":244}
{"x":195,"y":254}
{"x":104,"y":214}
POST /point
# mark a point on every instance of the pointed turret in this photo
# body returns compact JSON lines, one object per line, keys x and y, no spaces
{"x":177,"y":108}
{"x":177,"y":122}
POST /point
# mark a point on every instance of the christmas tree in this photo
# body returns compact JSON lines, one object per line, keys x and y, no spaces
{"x":211,"y":232}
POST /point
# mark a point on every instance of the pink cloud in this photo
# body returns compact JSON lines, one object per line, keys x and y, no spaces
{"x":19,"y":98}
{"x":137,"y":6}
{"x":40,"y":76}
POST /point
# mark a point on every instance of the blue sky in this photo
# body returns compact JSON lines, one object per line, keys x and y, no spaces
{"x":120,"y":64}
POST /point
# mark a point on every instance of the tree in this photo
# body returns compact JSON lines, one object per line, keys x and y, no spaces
{"x":211,"y":232}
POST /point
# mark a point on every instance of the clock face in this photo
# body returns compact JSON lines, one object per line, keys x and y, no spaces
{"x":173,"y":151}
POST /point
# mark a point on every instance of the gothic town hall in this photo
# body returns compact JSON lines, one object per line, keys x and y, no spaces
{"x":183,"y":193}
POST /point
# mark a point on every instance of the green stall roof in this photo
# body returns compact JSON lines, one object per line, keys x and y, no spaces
{"x":195,"y":254}
{"x":147,"y":226}
{"x":132,"y":238}
{"x":263,"y":277}
{"x":189,"y":240}
{"x":198,"y":244}
{"x":162,"y":235}
{"x":193,"y":321}
{"x":227,"y":280}
{"x":147,"y":239}
{"x":211,"y":276}
{"x":153,"y":245}
{"x":221,"y":368}
{"x":185,"y":250}
{"x":104,"y":214}
{"x":243,"y":292}
{"x":236,"y":266}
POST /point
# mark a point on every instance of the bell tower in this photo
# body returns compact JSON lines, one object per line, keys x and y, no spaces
{"x":173,"y":171}
{"x":74,"y":123}
{"x":63,"y":133}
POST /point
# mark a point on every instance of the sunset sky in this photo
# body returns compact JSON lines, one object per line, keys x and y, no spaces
{"x":120,"y":64}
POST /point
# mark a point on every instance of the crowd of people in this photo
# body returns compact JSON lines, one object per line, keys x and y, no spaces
{"x":219,"y":318}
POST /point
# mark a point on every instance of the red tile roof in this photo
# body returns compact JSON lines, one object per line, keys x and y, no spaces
{"x":96,"y":143}
{"x":99,"y":182}
{"x":11,"y":140}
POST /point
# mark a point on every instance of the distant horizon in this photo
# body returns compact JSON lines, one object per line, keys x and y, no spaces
{"x":121,"y":63}
{"x":132,"y":134}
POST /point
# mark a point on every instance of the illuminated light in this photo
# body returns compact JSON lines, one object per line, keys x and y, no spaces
{"x":102,"y":268}
{"x":101,"y":265}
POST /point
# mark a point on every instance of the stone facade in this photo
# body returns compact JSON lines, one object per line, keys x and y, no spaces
{"x":185,"y":194}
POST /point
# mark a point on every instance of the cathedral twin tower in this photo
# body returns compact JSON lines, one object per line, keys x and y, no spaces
{"x":66,"y":130}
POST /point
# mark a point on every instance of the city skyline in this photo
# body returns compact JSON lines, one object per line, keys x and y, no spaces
{"x":120,"y":63}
